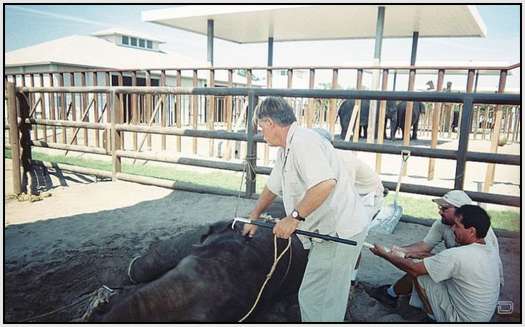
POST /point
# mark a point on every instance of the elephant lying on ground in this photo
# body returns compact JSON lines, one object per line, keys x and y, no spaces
{"x":218,"y":281}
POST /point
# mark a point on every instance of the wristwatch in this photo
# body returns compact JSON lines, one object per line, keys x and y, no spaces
{"x":295,"y":215}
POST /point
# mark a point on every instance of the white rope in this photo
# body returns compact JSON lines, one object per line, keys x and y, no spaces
{"x":269,"y":275}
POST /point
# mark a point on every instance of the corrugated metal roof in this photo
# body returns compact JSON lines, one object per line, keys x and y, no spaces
{"x":95,"y":52}
{"x":255,"y":23}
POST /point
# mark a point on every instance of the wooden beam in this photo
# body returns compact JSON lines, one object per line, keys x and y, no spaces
{"x":381,"y":122}
{"x":163,"y":115}
{"x":408,"y":115}
{"x":211,"y":114}
{"x":436,"y":112}
{"x":95,"y":111}
{"x":73,"y":105}
{"x":332,"y":111}
{"x":195,"y":110}
{"x":178,"y":112}
{"x":489,"y":175}
{"x":311,"y":102}
{"x":229,"y":117}
{"x":52,"y":108}
{"x":357,"y":111}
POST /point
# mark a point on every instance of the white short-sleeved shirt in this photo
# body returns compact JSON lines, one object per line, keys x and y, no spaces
{"x":308,"y":160}
{"x":471,"y":279}
{"x":442,"y":232}
{"x":361,"y":175}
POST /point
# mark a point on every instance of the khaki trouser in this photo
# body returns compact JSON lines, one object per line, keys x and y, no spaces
{"x":323,"y":295}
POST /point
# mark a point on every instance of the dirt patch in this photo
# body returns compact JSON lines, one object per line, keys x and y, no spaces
{"x":85,"y":234}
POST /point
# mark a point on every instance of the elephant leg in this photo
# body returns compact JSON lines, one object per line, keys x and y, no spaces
{"x":393,"y":130}
{"x":414,"y":129}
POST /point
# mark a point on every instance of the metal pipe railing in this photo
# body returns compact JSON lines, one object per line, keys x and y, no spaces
{"x":461,"y":155}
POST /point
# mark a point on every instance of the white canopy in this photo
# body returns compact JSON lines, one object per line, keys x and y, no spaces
{"x":256,"y":23}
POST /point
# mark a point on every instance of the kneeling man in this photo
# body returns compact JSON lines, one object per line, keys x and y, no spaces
{"x":459,"y":284}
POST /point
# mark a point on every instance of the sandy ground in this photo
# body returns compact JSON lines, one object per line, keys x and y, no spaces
{"x":84,"y":235}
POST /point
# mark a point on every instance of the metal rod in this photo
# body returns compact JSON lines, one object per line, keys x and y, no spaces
{"x":298,"y":231}
{"x":251,"y":156}
{"x":478,"y":98}
{"x":391,"y":67}
{"x":461,"y":160}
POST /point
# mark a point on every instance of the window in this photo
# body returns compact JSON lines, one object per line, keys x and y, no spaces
{"x":149,"y":44}
{"x":134,"y":41}
{"x":125,"y":40}
{"x":142,"y":43}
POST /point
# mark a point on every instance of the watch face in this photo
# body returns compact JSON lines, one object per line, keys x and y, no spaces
{"x":295,"y":214}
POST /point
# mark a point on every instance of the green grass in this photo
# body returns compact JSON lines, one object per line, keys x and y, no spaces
{"x":425,"y":208}
{"x":412,"y":206}
{"x":224,"y":180}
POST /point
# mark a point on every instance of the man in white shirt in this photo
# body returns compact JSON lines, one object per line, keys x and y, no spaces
{"x":460,"y":284}
{"x":366,"y":182}
{"x":441,"y":231}
{"x":317,"y":197}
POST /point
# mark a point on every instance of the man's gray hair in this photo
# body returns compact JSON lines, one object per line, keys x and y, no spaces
{"x":275,"y":108}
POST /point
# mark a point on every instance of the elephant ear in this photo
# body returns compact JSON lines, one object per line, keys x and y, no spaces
{"x":216,"y":228}
{"x":208,"y":233}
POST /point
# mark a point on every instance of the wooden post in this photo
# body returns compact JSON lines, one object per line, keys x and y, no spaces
{"x":178,"y":112}
{"x":435,"y":125}
{"x":149,"y":101}
{"x":106,"y":135}
{"x":95,"y":112}
{"x":115,"y":136}
{"x":73,"y":103}
{"x":63,"y":107}
{"x":469,"y":89}
{"x":211,"y":114}
{"x":84,"y":108}
{"x":14,"y":137}
{"x":43,"y":106}
{"x":408,"y":115}
{"x":121,"y":110}
{"x":310,"y":109}
{"x":32,"y":103}
{"x":52,"y":108}
{"x":381,"y":122}
{"x":489,"y":176}
{"x":244,"y":145}
{"x":266,"y":151}
{"x":163,"y":114}
{"x":357,"y":110}
{"x":332,"y":108}
{"x":475,"y":122}
{"x":195,"y":110}
{"x":229,"y":117}
{"x":134,"y":110}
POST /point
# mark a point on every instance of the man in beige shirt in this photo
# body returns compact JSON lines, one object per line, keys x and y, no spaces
{"x":318,"y":197}
{"x":441,"y":231}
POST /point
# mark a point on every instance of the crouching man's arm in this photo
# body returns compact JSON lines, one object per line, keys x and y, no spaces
{"x":409,"y":266}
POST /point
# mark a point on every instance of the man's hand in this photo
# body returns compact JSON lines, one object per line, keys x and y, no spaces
{"x":249,"y":230}
{"x":285,"y":227}
{"x":379,"y":250}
